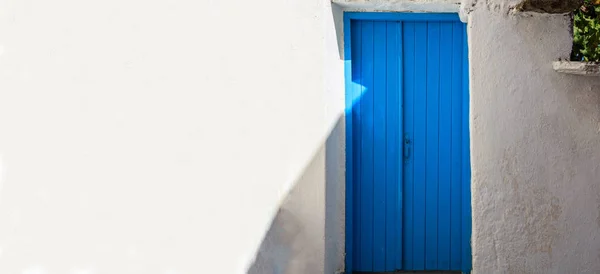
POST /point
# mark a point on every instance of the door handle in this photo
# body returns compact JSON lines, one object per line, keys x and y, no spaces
{"x":407,"y":145}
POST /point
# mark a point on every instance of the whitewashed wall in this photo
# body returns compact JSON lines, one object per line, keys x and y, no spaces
{"x":400,"y":5}
{"x":535,"y":137}
{"x":162,"y":136}
{"x":307,"y":234}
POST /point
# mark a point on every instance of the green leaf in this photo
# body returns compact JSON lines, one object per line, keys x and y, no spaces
{"x":586,"y":32}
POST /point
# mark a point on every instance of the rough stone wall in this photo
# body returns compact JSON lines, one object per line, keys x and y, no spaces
{"x":535,"y":144}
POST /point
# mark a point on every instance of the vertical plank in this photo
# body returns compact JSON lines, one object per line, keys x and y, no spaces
{"x":349,"y":113}
{"x":356,"y":132}
{"x":466,"y":162}
{"x":420,"y":137}
{"x":445,"y":143}
{"x":399,"y":156}
{"x":392,"y":106}
{"x":456,"y":150}
{"x":408,"y":47}
{"x":432,"y":150}
{"x":367,"y":147}
{"x":379,"y":142}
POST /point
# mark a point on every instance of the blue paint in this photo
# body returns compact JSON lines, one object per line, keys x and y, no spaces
{"x":407,"y":95}
{"x":432,"y":146}
{"x":456,"y":148}
{"x":393,"y":154}
{"x":445,"y":146}
{"x":419,"y":140}
{"x":366,"y":208}
{"x":409,"y":135}
{"x":349,"y":148}
{"x":358,"y":91}
{"x":408,"y":17}
{"x":379,"y":146}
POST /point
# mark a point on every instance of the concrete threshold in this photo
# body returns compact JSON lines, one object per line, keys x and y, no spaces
{"x":411,"y":272}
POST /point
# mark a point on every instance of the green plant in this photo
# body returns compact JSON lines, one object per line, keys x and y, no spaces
{"x":586,"y":32}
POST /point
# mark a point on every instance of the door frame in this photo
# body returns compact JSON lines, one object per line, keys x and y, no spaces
{"x":349,"y":102}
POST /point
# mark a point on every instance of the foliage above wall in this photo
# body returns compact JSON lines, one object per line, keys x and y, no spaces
{"x":586,"y":32}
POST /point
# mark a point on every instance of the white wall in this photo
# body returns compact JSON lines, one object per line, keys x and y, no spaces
{"x":535,"y":137}
{"x":307,"y":234}
{"x":158,"y":136}
{"x":165,"y":136}
{"x":400,"y":5}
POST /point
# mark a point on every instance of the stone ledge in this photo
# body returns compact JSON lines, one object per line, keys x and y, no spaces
{"x":577,"y":68}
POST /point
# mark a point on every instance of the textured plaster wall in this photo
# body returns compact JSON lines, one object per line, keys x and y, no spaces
{"x":400,"y":5}
{"x":163,"y":136}
{"x":535,"y":146}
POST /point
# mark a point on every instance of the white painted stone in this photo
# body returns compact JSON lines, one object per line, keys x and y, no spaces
{"x":577,"y":68}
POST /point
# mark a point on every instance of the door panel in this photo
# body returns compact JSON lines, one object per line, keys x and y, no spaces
{"x":376,"y":145}
{"x":433,"y":235}
{"x":410,"y":164}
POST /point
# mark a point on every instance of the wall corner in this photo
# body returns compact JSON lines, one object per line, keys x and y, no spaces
{"x":466,"y":7}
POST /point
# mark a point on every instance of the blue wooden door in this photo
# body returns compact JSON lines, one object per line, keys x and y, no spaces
{"x":408,"y":155}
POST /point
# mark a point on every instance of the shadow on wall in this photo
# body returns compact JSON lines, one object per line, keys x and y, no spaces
{"x":306,"y":235}
{"x":337,"y":13}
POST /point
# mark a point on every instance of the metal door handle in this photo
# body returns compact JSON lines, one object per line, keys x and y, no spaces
{"x":407,"y":144}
